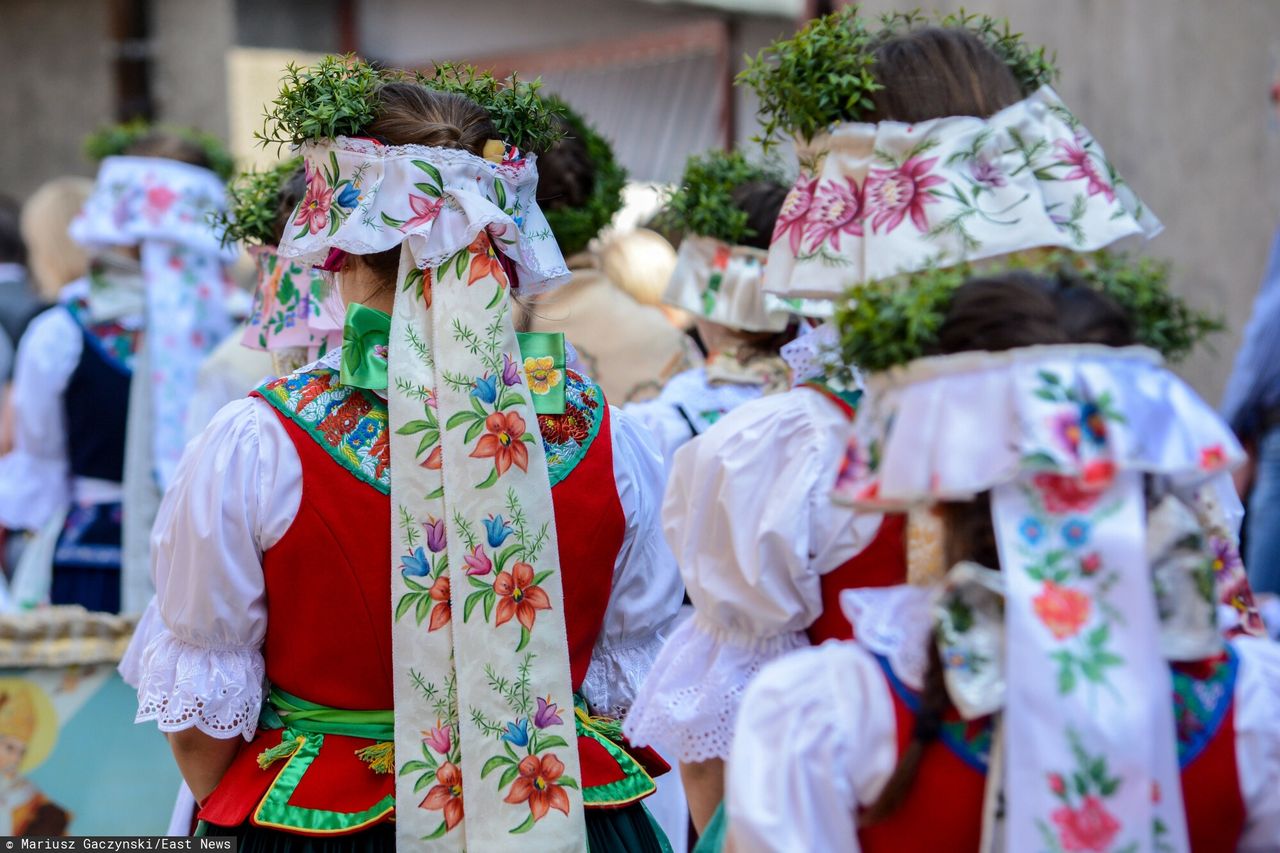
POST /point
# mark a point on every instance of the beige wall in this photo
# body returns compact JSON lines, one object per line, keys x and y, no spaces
{"x":57,"y":88}
{"x":1176,"y":91}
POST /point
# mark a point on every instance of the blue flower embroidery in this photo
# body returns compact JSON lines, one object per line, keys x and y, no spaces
{"x":349,"y":196}
{"x":1075,"y":532}
{"x":497,"y":530}
{"x":1031,"y":530}
{"x":517,"y":733}
{"x":416,"y":564}
{"x":486,"y":389}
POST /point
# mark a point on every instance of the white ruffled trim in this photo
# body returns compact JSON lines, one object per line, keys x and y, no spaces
{"x":149,"y":626}
{"x":615,"y":675}
{"x":689,"y":703}
{"x":183,"y":686}
{"x":894,"y":622}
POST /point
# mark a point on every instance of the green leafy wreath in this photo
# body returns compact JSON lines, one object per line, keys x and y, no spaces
{"x":575,"y":227}
{"x":824,"y":74}
{"x":892,"y":322}
{"x":114,"y":140}
{"x":703,"y":202}
{"x":254,"y":204}
{"x":339,"y":97}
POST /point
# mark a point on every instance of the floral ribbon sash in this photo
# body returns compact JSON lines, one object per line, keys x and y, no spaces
{"x":878,"y":200}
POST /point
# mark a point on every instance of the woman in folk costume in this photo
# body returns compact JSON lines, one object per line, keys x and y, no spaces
{"x":88,"y":440}
{"x":923,"y":169}
{"x":1059,"y":683}
{"x":630,"y":349}
{"x":474,"y":510}
{"x":728,"y":207}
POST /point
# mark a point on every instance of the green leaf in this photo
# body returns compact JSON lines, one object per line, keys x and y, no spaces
{"x":567,"y":782}
{"x":493,"y":764}
{"x":506,"y":554}
{"x":508,"y":776}
{"x":478,"y":583}
{"x":488,"y":605}
{"x":429,"y":438}
{"x":413,"y":767}
{"x":524,"y":827}
{"x":472,"y":600}
{"x":405,"y":604}
{"x":413,"y":584}
{"x":488,"y":481}
{"x":435,"y":494}
{"x":427,"y":189}
{"x":460,"y":265}
{"x":438,"y":832}
{"x":423,"y":781}
{"x":541,"y":576}
{"x":500,"y":191}
{"x":423,"y":608}
{"x":550,"y":742}
{"x":459,"y":418}
{"x":474,"y":430}
{"x":498,"y":293}
{"x":524,"y":639}
{"x":430,"y":170}
{"x":413,"y":426}
{"x":390,"y":220}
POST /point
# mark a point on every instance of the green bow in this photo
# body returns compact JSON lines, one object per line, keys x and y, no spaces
{"x":364,"y":347}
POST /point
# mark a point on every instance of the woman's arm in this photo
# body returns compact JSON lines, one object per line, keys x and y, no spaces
{"x":202,"y":760}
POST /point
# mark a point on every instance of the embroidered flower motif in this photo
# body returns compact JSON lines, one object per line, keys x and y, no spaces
{"x":1074,"y":154}
{"x":795,"y":207}
{"x":519,"y":596}
{"x":424,"y":209}
{"x":435,"y":460}
{"x":835,"y":210}
{"x":1066,"y":428}
{"x":497,"y":530}
{"x":485,"y":389}
{"x":1062,"y":610}
{"x":1098,"y":475}
{"x":159,"y":200}
{"x":484,"y":261}
{"x":440,"y":611}
{"x":517,"y":732}
{"x":510,"y":370}
{"x":440,"y":738}
{"x":1075,"y":532}
{"x":1213,"y":458}
{"x":1094,"y":422}
{"x":1057,"y":784}
{"x":349,"y":196}
{"x":503,"y":442}
{"x":436,"y":539}
{"x":1062,"y":494}
{"x":416,"y":564}
{"x":547,"y":714}
{"x":1031,"y":530}
{"x":1090,"y":564}
{"x":542,"y":374}
{"x":986,"y":173}
{"x":446,"y":795}
{"x":478,"y":563}
{"x":894,"y":194}
{"x":537,"y":785}
{"x":314,"y":210}
{"x":573,"y":426}
{"x":1088,"y":828}
{"x":1225,"y":556}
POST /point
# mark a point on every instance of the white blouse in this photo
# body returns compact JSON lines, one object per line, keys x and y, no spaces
{"x":35,"y":480}
{"x":196,"y":658}
{"x":749,"y":517}
{"x":687,"y":406}
{"x":816,"y":740}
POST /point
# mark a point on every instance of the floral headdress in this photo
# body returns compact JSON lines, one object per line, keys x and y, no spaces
{"x":576,"y":227}
{"x":115,"y":140}
{"x":875,"y":201}
{"x":461,"y":452}
{"x":1064,"y":438}
{"x":716,"y":277}
{"x":289,"y":317}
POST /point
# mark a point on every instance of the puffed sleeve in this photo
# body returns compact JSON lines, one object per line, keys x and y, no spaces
{"x":197,"y":657}
{"x":815,"y":739}
{"x":748,"y":515}
{"x":34,"y":476}
{"x":1257,"y":725}
{"x":647,"y":591}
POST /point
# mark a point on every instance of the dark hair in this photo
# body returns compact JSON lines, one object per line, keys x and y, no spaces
{"x":171,"y":146}
{"x":761,"y":201}
{"x":932,"y":72}
{"x":1013,"y":309}
{"x":291,"y":191}
{"x":409,"y":114}
{"x":566,"y":175}
{"x":12,"y":248}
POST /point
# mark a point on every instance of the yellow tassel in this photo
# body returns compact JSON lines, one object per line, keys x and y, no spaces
{"x":283,"y":750}
{"x":381,"y":757}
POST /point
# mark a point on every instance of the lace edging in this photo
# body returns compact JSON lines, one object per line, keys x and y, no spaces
{"x":183,"y":686}
{"x":615,"y":675}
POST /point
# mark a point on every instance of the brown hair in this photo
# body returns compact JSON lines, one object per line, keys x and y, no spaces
{"x":409,"y":114}
{"x":1014,"y":309}
{"x":291,"y":192}
{"x":761,"y":201}
{"x":566,"y":173}
{"x":932,"y":72}
{"x":170,"y":146}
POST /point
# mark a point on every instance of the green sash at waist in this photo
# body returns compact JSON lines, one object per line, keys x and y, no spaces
{"x":284,"y":710}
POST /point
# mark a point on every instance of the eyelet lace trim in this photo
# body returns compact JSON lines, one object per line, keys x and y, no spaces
{"x":615,"y":674}
{"x":689,"y":703}
{"x":183,"y":686}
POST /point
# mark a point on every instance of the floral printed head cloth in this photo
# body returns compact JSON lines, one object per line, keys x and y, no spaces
{"x":879,"y":200}
{"x":479,"y":623}
{"x":166,"y":208}
{"x":1064,"y":438}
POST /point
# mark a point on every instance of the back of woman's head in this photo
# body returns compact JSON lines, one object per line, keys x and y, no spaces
{"x":566,"y":173}
{"x":761,"y":201}
{"x":1000,"y":312}
{"x":53,"y":257}
{"x":1088,"y":316}
{"x":409,"y":114}
{"x":291,"y":192}
{"x":169,"y":146}
{"x":933,"y":72}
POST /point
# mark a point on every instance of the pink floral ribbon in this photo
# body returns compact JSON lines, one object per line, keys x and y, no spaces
{"x":878,"y":200}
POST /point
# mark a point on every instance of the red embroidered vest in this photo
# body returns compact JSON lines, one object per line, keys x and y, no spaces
{"x":882,"y":563}
{"x":328,"y":589}
{"x":943,"y":808}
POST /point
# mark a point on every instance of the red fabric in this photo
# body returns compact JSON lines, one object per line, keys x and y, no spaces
{"x":881,"y":563}
{"x":329,"y":611}
{"x":943,"y":808}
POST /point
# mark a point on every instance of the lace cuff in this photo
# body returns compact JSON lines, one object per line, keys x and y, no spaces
{"x":218,"y":691}
{"x":615,"y":675}
{"x":689,"y":702}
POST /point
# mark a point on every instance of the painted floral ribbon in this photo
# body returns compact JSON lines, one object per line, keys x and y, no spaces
{"x":364,"y":347}
{"x":542,"y":357}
